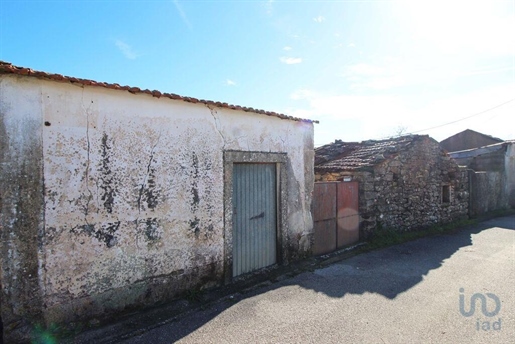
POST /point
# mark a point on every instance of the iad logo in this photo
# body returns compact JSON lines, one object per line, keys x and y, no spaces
{"x":484,"y":325}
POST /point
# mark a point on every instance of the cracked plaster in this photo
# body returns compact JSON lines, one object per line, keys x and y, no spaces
{"x":133,"y":199}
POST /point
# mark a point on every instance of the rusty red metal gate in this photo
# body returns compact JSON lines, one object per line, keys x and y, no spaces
{"x":336,"y":216}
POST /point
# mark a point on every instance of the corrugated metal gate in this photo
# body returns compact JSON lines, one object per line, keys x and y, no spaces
{"x":336,"y":216}
{"x":254,"y":217}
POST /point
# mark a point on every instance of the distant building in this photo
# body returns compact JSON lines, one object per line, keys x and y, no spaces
{"x":468,"y":139}
{"x":492,"y":176}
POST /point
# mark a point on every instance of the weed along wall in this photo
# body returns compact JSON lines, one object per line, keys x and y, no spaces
{"x":116,"y":200}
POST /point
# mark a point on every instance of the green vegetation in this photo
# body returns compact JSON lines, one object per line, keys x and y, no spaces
{"x":383,"y":237}
{"x":388,"y":237}
{"x":194,"y":295}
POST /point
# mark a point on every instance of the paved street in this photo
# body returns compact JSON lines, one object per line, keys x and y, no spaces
{"x":404,"y":294}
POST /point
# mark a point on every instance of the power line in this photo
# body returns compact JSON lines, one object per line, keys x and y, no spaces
{"x":464,"y":118}
{"x":443,"y":125}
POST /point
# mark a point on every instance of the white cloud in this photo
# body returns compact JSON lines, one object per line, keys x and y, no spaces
{"x":182,"y":13}
{"x":290,"y":60}
{"x":364,"y":69}
{"x":230,"y":82}
{"x":269,"y":7}
{"x":488,"y":70}
{"x":319,"y":19}
{"x":361,"y":117}
{"x":344,"y":106}
{"x":482,"y":28}
{"x":351,"y":45}
{"x":302,"y":94}
{"x":392,"y":73}
{"x":350,"y":117}
{"x":126,"y":49}
{"x":287,"y":48}
{"x":477,"y":110}
{"x":378,"y":77}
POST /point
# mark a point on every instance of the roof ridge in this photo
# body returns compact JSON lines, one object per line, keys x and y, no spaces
{"x":358,"y":155}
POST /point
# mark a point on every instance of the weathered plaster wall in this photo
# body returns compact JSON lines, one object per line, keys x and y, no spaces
{"x":492,"y":177}
{"x":493,"y":161}
{"x":510,"y":173}
{"x":134,"y":193}
{"x":21,"y":207}
{"x":488,"y":193}
{"x":405,"y":192}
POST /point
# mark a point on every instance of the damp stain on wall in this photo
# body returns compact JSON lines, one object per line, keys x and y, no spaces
{"x":134,"y":209}
{"x":107,"y":180}
{"x":105,"y":232}
{"x":152,"y":229}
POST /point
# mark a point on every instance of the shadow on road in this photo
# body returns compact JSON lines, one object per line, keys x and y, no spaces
{"x":388,"y":272}
{"x":394,"y":270}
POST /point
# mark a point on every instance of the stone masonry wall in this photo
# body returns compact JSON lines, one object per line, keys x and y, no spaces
{"x":406,"y":191}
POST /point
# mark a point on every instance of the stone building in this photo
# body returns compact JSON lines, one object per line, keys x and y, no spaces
{"x":114,"y":198}
{"x":405,"y":183}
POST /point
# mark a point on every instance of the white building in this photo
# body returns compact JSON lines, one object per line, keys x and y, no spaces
{"x":116,"y":197}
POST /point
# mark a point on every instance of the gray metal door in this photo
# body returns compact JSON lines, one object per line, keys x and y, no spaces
{"x":254,"y":217}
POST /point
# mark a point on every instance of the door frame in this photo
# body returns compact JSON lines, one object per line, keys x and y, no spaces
{"x":232,"y":157}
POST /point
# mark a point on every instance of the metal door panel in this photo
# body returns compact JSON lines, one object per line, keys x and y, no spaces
{"x":335,"y":215}
{"x":347,"y":215}
{"x":324,"y":196}
{"x":254,"y":217}
{"x":325,"y":237}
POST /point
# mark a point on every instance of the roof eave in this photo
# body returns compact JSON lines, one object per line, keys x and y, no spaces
{"x":9,"y":68}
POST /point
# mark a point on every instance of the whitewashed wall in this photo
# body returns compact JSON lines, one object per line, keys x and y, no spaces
{"x":510,"y":172}
{"x":133,"y":191}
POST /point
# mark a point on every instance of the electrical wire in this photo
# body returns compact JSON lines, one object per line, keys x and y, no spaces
{"x":443,"y":125}
{"x":464,"y":118}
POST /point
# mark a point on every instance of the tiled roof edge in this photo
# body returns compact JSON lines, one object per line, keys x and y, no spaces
{"x":373,"y":141}
{"x":9,"y":68}
{"x":329,"y":169}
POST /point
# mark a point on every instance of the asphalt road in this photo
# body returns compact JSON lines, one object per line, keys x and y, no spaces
{"x":408,"y":293}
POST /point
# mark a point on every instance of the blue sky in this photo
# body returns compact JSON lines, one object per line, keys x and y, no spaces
{"x":364,"y":69}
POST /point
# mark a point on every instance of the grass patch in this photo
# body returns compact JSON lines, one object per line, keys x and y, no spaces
{"x":389,"y":236}
{"x":194,"y":295}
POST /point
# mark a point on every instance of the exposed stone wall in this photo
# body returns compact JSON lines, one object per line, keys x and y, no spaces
{"x":405,"y":192}
{"x":131,"y":211}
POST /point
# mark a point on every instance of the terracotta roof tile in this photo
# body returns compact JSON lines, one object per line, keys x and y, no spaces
{"x":8,"y":68}
{"x":339,"y":155}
